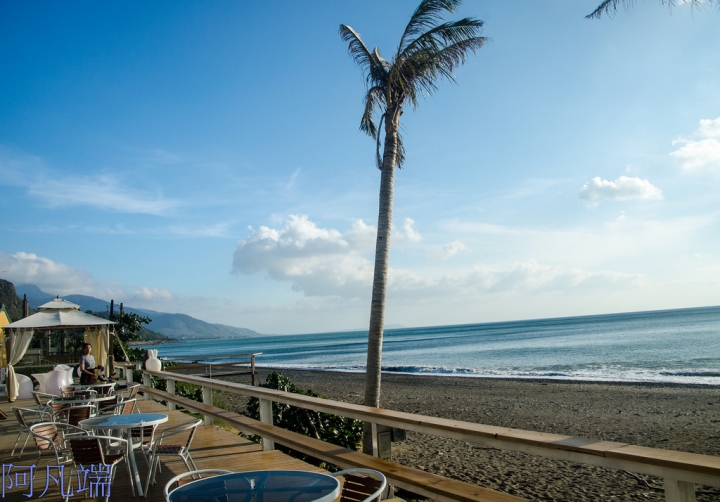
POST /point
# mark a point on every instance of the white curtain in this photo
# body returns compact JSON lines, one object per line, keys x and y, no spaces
{"x":19,"y":343}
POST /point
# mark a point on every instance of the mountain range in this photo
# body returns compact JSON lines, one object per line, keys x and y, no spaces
{"x":178,"y":326}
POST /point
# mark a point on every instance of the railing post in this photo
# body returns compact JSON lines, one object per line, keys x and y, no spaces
{"x":266,"y":417}
{"x":207,"y":399}
{"x":381,"y":438}
{"x":171,"y":390}
{"x":679,"y":491}
{"x":252,"y":370}
{"x":147,"y":382}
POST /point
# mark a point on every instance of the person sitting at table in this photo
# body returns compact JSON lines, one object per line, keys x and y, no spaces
{"x":87,"y":366}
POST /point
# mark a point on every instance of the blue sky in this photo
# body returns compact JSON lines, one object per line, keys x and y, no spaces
{"x":205,"y":158}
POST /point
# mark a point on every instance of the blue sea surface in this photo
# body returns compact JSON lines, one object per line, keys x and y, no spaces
{"x":679,"y":346}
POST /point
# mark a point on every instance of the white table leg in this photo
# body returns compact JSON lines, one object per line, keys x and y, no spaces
{"x":133,"y":467}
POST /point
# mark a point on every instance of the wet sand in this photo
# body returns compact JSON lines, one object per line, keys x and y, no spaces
{"x":676,"y":417}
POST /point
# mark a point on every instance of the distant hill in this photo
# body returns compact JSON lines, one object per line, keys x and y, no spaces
{"x":9,"y":298}
{"x":172,"y":325}
{"x":184,"y":326}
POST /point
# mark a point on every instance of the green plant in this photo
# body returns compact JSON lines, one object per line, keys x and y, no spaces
{"x":330,"y":428}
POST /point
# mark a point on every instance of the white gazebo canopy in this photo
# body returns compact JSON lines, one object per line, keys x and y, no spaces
{"x":55,"y":315}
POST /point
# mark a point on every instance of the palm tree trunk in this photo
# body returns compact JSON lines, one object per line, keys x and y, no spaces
{"x":382,"y":253}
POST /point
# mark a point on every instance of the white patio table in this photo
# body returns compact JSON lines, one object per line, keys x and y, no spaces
{"x":126,"y":422}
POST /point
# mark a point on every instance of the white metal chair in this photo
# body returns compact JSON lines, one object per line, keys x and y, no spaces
{"x":88,"y":451}
{"x":362,"y":485}
{"x":51,"y":439}
{"x":27,"y":417}
{"x":159,"y":449}
{"x":180,"y":479}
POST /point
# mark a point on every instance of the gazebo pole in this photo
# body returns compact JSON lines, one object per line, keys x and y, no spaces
{"x":111,"y":352}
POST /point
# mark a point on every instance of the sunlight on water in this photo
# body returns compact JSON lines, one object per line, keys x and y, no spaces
{"x":680,"y":346}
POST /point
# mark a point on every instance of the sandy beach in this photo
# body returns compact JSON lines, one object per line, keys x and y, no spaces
{"x":676,"y":417}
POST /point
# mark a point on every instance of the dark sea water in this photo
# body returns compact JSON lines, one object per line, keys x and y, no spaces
{"x":680,"y":346}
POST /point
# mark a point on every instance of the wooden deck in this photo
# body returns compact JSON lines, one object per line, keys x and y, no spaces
{"x":212,"y":448}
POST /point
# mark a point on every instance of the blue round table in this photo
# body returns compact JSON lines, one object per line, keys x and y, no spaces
{"x":260,"y":486}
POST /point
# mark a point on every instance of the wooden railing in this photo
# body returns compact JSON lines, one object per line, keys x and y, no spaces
{"x":680,"y":470}
{"x":212,"y":366}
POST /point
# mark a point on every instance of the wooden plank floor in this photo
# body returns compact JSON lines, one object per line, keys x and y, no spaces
{"x":212,"y":448}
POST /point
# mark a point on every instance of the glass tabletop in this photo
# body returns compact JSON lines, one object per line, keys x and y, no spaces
{"x":125,"y":421}
{"x":260,"y":486}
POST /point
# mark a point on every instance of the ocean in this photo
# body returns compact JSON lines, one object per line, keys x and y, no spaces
{"x":673,"y":346}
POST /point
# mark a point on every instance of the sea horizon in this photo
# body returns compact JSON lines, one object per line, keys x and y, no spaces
{"x":663,"y":346}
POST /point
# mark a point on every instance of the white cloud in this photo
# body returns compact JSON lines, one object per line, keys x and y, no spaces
{"x":452,"y":248}
{"x":145,"y":294}
{"x":104,"y":191}
{"x":317,"y":261}
{"x":702,"y":151}
{"x":61,"y":279}
{"x":519,"y":278}
{"x":709,"y":128}
{"x":326,"y":262}
{"x":54,"y":188}
{"x":623,"y":188}
{"x":50,"y":276}
{"x":293,"y":178}
{"x":406,"y":232}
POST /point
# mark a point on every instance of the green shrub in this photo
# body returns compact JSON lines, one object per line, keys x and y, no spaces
{"x":333,"y":429}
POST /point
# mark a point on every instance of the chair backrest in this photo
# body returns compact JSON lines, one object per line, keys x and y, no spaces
{"x":127,"y":407}
{"x":106,"y":389}
{"x":181,"y":479}
{"x":42,"y":399}
{"x":46,"y":436}
{"x":362,"y":485}
{"x":77,"y":413}
{"x":59,"y":410}
{"x":190,"y":426}
{"x":20,"y":415}
{"x":87,"y":451}
{"x":145,"y":433}
{"x":111,"y":408}
{"x":132,"y":390}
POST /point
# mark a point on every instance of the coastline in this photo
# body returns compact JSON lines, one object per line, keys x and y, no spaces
{"x":673,"y":416}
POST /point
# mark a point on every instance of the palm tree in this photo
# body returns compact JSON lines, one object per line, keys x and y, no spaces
{"x":429,"y":50}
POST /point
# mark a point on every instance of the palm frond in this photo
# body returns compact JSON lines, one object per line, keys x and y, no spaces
{"x":374,"y":98}
{"x":427,"y":15}
{"x":610,"y":7}
{"x":378,"y":144}
{"x":443,"y":35}
{"x":400,"y":159}
{"x":420,"y":73}
{"x":372,"y":64}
